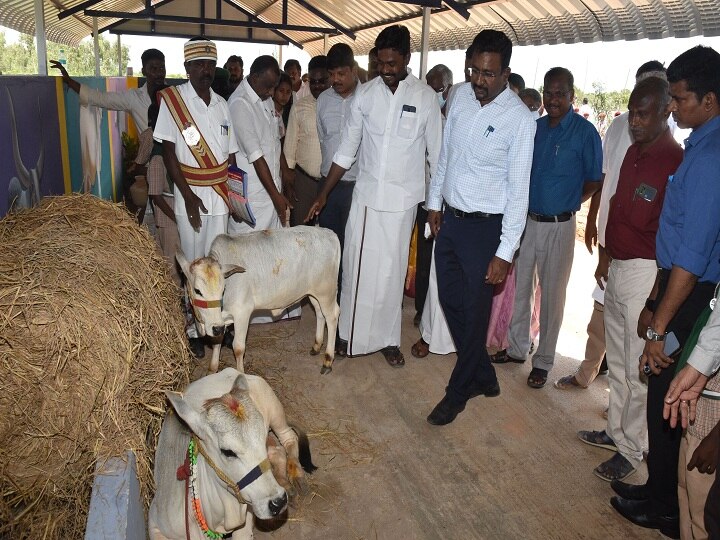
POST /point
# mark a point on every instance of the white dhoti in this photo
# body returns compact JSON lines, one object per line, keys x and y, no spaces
{"x":375,"y":260}
{"x":433,"y":326}
{"x":266,"y":218}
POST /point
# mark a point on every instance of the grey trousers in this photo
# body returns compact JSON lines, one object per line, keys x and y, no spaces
{"x":546,"y":250}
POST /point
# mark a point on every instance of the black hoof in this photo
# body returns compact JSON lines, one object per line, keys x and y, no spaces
{"x":313,"y":352}
{"x":325,"y":369}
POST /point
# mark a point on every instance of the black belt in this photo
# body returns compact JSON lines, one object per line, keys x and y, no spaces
{"x":299,"y":168}
{"x":565,"y":216}
{"x":460,"y":214}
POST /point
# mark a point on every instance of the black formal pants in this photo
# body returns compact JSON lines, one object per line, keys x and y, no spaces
{"x":463,"y":251}
{"x":423,"y":257}
{"x":335,"y":215}
{"x":664,"y":441}
{"x":712,"y":509}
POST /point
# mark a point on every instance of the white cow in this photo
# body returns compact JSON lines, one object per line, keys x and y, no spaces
{"x":229,"y":414}
{"x":268,"y":270}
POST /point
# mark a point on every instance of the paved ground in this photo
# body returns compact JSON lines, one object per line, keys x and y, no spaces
{"x":508,"y":467}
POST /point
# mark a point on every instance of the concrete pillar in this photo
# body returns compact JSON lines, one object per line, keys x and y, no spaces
{"x":40,"y":43}
{"x":119,"y":47}
{"x":424,"y":41}
{"x":96,"y":43}
{"x":325,"y":44}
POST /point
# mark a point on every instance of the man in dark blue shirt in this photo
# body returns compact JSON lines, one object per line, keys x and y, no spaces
{"x":688,"y":258}
{"x":566,"y":170}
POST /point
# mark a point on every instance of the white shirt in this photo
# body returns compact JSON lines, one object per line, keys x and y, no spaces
{"x":486,"y":160}
{"x":397,"y":132}
{"x":258,"y":134}
{"x":615,"y":145}
{"x":705,"y":356}
{"x":213,"y":121}
{"x":302,"y":146}
{"x":302,"y":92}
{"x":135,"y":101}
{"x":333,"y":112}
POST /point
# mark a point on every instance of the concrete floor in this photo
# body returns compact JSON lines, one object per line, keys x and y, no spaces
{"x":508,"y":467}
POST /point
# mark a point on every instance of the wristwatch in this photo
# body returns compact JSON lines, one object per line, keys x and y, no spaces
{"x":652,"y":335}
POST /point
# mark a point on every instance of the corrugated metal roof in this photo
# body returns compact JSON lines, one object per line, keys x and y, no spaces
{"x":526,"y":22}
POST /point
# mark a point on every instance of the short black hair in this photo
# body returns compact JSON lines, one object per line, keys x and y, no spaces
{"x":234,"y":58}
{"x":284,"y":79}
{"x":531,"y":93}
{"x":647,"y":67}
{"x":656,"y":87}
{"x":699,"y":67}
{"x":394,"y":37}
{"x":373,"y":52}
{"x":493,"y":41}
{"x":292,"y":63}
{"x":517,"y":81}
{"x":560,"y":72}
{"x":264,"y":63}
{"x":340,"y":55}
{"x":318,"y":62}
{"x":151,"y":54}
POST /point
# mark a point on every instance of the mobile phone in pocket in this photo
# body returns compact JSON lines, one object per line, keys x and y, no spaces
{"x":672,"y":345}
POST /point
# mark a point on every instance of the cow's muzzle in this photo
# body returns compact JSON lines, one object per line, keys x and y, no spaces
{"x":218,"y":330}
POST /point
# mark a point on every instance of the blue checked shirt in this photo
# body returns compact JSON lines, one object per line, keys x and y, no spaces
{"x":485,"y":162}
{"x":333,"y":112}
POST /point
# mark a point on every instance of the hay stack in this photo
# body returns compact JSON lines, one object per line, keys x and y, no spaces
{"x":91,"y":333}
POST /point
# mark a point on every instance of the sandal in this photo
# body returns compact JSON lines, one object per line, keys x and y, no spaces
{"x":537,"y":378}
{"x":597,"y":438}
{"x":615,"y":468}
{"x":393,"y":356}
{"x":421,"y":349}
{"x":568,"y":383}
{"x":502,"y":357}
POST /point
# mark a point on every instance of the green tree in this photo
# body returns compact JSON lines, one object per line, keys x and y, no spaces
{"x":21,"y":58}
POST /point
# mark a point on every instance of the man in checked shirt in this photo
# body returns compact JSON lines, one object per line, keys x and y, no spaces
{"x":483,"y":178}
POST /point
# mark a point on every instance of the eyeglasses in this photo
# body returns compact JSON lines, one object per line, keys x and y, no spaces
{"x":483,"y":74}
{"x":555,"y":95}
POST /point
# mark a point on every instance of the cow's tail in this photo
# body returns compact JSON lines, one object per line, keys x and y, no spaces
{"x":304,"y":451}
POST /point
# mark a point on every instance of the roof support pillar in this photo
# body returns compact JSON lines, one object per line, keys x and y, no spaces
{"x":119,"y":47}
{"x":40,"y":43}
{"x":96,"y":46}
{"x":424,"y":41}
{"x":325,"y":44}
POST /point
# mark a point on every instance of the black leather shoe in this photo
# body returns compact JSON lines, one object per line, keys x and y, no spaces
{"x":487,"y":390}
{"x":197,"y":347}
{"x":444,"y":412}
{"x":640,"y":513}
{"x":631,"y":492}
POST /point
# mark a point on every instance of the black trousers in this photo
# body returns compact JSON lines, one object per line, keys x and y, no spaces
{"x":463,"y":251}
{"x":335,"y":215}
{"x":423,"y":258}
{"x":664,"y":441}
{"x":712,"y":509}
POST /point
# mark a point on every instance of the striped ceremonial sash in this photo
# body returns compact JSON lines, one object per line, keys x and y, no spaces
{"x":210,"y":173}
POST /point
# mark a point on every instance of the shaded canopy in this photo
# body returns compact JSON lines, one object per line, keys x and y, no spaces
{"x":453,"y":23}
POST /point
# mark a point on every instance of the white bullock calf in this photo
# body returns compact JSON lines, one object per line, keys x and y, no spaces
{"x":229,"y":414}
{"x":265,"y":270}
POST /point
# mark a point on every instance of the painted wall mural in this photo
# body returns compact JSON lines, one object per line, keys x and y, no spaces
{"x":49,"y":145}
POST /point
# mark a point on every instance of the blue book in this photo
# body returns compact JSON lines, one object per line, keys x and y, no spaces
{"x":237,"y":187}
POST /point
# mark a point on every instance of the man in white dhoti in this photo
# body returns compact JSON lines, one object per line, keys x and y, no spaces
{"x":395,"y":123}
{"x":258,"y":134}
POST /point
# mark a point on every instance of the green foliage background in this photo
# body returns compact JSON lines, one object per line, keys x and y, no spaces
{"x":20,"y":58}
